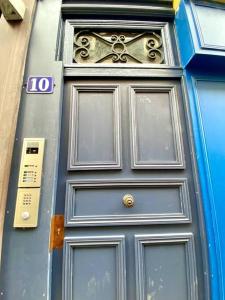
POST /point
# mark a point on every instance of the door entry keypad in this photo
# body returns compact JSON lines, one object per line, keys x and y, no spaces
{"x":29,"y":183}
{"x":27,"y":204}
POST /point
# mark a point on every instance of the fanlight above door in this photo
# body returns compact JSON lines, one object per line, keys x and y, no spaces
{"x":118,"y":47}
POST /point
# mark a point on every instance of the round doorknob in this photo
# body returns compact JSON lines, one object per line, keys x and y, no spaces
{"x":128,"y":200}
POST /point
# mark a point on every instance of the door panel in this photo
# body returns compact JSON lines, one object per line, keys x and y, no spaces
{"x":154,"y":110}
{"x":128,"y":137}
{"x":94,"y":142}
{"x":95,"y":268}
{"x":165,"y":267}
{"x":101,"y":203}
{"x":160,"y":265}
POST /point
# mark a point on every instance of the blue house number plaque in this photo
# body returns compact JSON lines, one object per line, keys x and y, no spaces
{"x":40,"y":85}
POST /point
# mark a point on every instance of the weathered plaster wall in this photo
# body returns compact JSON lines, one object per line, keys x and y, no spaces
{"x":14,"y":39}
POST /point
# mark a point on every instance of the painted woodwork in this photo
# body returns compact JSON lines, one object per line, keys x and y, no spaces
{"x":198,"y":21}
{"x":161,"y":8}
{"x":87,"y":42}
{"x":39,"y":116}
{"x":167,"y":151}
{"x":94,"y":208}
{"x":84,"y":152}
{"x":172,"y":251}
{"x":83,"y":258}
{"x":85,"y":202}
{"x":87,"y":242}
{"x":206,"y":95}
{"x":202,"y":53}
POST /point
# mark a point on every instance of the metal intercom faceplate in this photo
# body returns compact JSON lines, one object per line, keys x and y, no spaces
{"x":27,"y":206}
{"x":31,"y":163}
{"x":29,"y":183}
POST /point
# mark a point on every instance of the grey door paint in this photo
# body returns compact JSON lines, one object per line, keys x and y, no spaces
{"x":128,"y":137}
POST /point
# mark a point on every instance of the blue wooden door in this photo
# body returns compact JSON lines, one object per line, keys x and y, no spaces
{"x":127,"y":182}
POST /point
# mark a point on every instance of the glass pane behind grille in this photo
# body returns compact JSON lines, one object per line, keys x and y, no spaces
{"x":118,"y":47}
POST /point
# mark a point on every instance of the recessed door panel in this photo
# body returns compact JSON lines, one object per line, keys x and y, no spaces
{"x":94,"y":128}
{"x":101,"y":203}
{"x":95,"y":268}
{"x":155,"y":128}
{"x":165,"y":266}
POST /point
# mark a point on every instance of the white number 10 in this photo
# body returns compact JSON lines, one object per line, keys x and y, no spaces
{"x":42,"y":85}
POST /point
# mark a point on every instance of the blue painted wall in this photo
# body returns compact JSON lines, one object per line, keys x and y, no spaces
{"x":201,"y":34}
{"x":207,"y":102}
{"x":185,"y":39}
{"x":202,"y":51}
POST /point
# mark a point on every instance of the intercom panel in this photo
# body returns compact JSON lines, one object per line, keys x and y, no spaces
{"x":29,"y":183}
{"x":27,"y":206}
{"x":31,"y":163}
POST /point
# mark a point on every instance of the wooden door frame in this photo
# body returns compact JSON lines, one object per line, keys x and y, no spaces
{"x":174,"y":71}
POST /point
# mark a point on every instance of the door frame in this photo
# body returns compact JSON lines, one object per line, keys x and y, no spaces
{"x":173,"y":71}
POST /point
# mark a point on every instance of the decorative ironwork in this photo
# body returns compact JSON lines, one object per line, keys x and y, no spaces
{"x":114,"y":47}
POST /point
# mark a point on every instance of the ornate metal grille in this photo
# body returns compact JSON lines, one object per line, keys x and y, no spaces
{"x":117,"y":47}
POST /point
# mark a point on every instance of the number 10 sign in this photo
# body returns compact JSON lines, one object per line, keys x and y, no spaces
{"x":40,"y":85}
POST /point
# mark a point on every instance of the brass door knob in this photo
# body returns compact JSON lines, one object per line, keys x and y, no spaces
{"x":128,"y":200}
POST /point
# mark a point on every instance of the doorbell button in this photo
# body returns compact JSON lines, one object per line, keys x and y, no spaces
{"x":25,"y":215}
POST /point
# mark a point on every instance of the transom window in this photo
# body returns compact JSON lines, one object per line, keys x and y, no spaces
{"x":91,"y":46}
{"x":103,"y":42}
